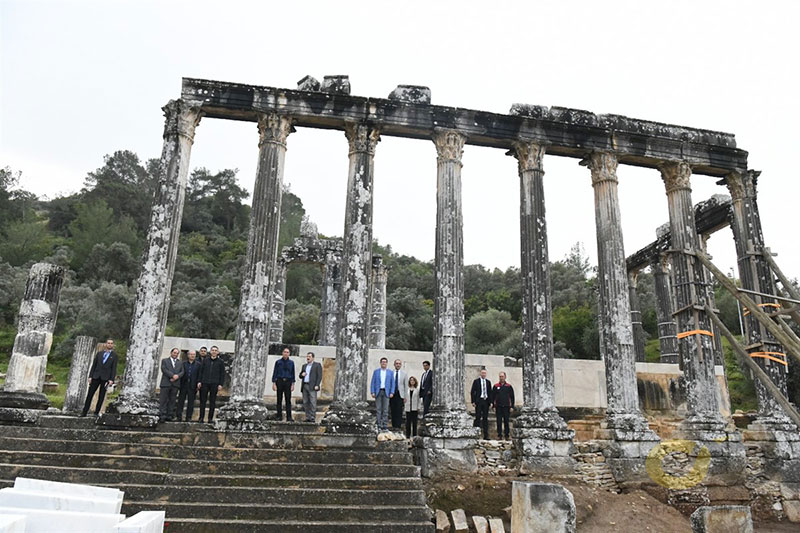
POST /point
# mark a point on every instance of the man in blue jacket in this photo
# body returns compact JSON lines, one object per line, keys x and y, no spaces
{"x":380,"y":387}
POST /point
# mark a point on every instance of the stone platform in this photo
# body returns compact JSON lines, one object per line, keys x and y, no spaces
{"x":292,"y":478}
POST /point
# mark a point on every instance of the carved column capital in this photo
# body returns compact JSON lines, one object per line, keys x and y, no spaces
{"x":529,"y":155}
{"x":274,"y":128}
{"x":362,"y":137}
{"x":742,"y":184}
{"x":449,"y":144}
{"x":603,"y":166}
{"x":181,"y":118}
{"x":676,"y":175}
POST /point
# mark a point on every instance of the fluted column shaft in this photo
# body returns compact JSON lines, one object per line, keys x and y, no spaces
{"x":696,"y":350}
{"x":352,"y":347}
{"x":158,"y":265}
{"x":636,"y":317}
{"x":377,"y":320}
{"x":329,"y":308}
{"x":756,"y":275}
{"x":252,"y":330}
{"x":278,"y":302}
{"x":667,"y":329}
{"x":616,"y":330}
{"x":77,"y":382}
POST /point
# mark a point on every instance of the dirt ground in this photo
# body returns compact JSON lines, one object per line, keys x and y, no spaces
{"x":598,"y":510}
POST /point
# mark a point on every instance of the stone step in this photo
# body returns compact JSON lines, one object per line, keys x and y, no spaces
{"x":284,"y":512}
{"x":187,"y":466}
{"x":206,"y":453}
{"x":196,"y":525}
{"x":72,"y":422}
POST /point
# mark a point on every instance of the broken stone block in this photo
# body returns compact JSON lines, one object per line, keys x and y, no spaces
{"x":496,"y":525}
{"x":480,"y":523}
{"x":530,"y":111}
{"x":722,"y":519}
{"x":49,"y":387}
{"x":459,"y":521}
{"x":541,"y":508}
{"x":792,"y":510}
{"x":414,"y":94}
{"x":442,"y":522}
{"x":308,"y":83}
{"x":336,"y":84}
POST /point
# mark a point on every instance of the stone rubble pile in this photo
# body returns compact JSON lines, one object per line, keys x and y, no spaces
{"x":495,"y":456}
{"x":592,"y":466}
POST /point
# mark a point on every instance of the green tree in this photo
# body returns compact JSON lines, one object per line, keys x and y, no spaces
{"x":300,"y":323}
{"x":487,"y":330}
{"x":97,"y":223}
{"x":570,"y":326}
{"x":114,"y":263}
{"x":24,"y":242}
{"x":209,"y":313}
{"x":214,"y":203}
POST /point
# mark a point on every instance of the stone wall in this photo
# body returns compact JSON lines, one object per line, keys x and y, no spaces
{"x":496,"y":456}
{"x":592,"y":467}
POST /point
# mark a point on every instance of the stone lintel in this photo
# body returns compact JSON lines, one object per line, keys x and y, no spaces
{"x":567,"y":132}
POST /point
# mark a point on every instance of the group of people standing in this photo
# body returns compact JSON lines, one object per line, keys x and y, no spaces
{"x":182,"y":380}
{"x":400,"y":394}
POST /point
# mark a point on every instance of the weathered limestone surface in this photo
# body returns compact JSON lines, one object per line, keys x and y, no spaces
{"x":377,"y":313}
{"x":78,"y":382}
{"x":278,"y":302}
{"x":442,"y":522}
{"x":480,"y":523}
{"x":722,"y":519}
{"x":246,"y":404}
{"x":352,"y":345}
{"x":38,"y":312}
{"x":329,"y":308}
{"x":667,"y":329}
{"x":460,"y":524}
{"x":636,"y":317}
{"x":539,"y":432}
{"x":135,"y":404}
{"x":541,"y":508}
{"x":415,"y":94}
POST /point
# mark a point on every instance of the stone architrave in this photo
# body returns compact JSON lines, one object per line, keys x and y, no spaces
{"x":78,"y":380}
{"x":377,"y":314}
{"x":329,"y":306}
{"x":352,"y":346}
{"x":541,"y":508}
{"x":667,"y":329}
{"x":278,"y":302}
{"x":38,"y":312}
{"x":623,"y":418}
{"x":136,"y":404}
{"x":636,"y":317}
{"x":448,"y":438}
{"x":539,"y":432}
{"x":246,"y":406}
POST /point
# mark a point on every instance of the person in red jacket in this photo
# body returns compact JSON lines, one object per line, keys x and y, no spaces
{"x":502,"y":401}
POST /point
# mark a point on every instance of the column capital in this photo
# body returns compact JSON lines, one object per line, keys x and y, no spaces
{"x":529,"y":155}
{"x":603,"y":166}
{"x":362,"y":137}
{"x":181,"y":119}
{"x":274,"y":128}
{"x":676,"y":175}
{"x":742,"y":184}
{"x":449,"y":144}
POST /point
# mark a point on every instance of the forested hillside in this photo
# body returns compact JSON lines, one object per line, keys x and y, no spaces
{"x":98,"y":234}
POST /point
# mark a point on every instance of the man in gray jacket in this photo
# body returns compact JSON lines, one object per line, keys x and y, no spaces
{"x":171,"y":374}
{"x":310,"y":380}
{"x":397,"y":403}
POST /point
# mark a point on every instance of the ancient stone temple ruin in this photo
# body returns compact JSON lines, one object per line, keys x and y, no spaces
{"x":353,"y":306}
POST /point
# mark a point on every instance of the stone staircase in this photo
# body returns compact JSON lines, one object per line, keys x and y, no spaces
{"x":294,"y":478}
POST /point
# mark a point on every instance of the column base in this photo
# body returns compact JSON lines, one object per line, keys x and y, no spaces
{"x":544,"y":442}
{"x":243,"y":415}
{"x":446,"y":443}
{"x":349,"y":418}
{"x":778,"y":442}
{"x":130,"y":411}
{"x":24,"y":400}
{"x":630,"y":442}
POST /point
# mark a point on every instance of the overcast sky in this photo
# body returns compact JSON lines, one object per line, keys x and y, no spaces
{"x":82,"y":79}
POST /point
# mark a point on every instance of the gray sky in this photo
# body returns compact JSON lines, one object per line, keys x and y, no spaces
{"x":82,"y":79}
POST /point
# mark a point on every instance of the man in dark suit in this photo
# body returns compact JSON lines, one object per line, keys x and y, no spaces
{"x":171,"y":374}
{"x":481,"y":398}
{"x":101,"y":376}
{"x":503,"y":401}
{"x":426,"y":387}
{"x":283,"y":383}
{"x":212,"y":378}
{"x":310,"y":380}
{"x":188,"y":391}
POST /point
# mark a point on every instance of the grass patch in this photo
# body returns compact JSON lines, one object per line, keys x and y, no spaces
{"x":652,"y":351}
{"x":740,"y":387}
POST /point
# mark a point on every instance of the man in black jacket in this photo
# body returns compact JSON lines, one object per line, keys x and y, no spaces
{"x":212,"y":377}
{"x":101,"y":376}
{"x":191,"y":375}
{"x":481,"y":397}
{"x":503,"y":400}
{"x":426,"y":387}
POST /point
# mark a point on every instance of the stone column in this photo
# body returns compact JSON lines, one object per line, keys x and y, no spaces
{"x":539,"y":432}
{"x":448,"y":418}
{"x":636,"y":317}
{"x":136,"y":404}
{"x":78,"y":380}
{"x":329,"y":308}
{"x":756,"y":275}
{"x":667,"y":330}
{"x":377,"y":314}
{"x":718,"y":355}
{"x":352,"y":346}
{"x":246,"y":406}
{"x":623,"y":418}
{"x":278,"y":302}
{"x":36,"y":322}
